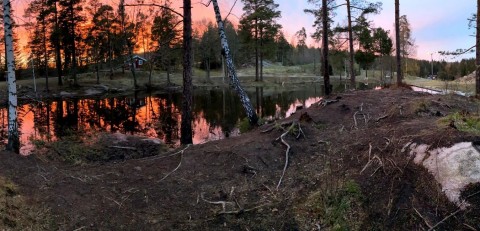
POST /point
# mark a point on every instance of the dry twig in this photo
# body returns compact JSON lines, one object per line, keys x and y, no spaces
{"x":425,"y":220}
{"x":180,"y":163}
{"x":286,"y":153}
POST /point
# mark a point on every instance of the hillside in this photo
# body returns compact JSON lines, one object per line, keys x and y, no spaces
{"x":349,"y":168}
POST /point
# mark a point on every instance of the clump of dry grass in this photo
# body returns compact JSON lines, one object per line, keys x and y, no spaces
{"x":16,"y":214}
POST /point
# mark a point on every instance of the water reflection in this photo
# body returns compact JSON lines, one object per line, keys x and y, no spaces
{"x":215,"y":113}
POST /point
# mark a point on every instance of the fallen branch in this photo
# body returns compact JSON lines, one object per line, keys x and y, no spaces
{"x":268,"y":130}
{"x":170,"y":155}
{"x":425,"y":220}
{"x":381,"y":118}
{"x":122,"y":147}
{"x":325,"y":102}
{"x":236,"y":212}
{"x":222,"y":203}
{"x":300,"y":132}
{"x":446,"y":218}
{"x":355,"y":118}
{"x":286,"y":154}
{"x":180,"y":163}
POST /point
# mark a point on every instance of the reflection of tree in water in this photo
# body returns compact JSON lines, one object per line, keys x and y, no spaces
{"x":131,"y":124}
{"x":220,"y":109}
{"x":167,"y":124}
{"x":152,"y":116}
{"x":41,"y":119}
{"x":66,"y":117}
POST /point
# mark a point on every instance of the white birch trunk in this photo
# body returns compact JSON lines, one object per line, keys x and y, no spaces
{"x":247,"y":105}
{"x":13,"y":136}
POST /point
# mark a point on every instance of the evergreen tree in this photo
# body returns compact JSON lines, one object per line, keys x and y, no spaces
{"x":259,"y":28}
{"x":166,"y":35}
{"x":70,"y":17}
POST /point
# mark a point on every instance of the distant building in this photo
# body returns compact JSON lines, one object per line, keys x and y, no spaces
{"x":137,"y":60}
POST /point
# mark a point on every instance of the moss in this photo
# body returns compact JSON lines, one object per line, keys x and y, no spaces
{"x":462,"y":121}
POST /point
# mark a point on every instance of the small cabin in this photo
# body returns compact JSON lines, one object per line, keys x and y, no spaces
{"x":138,"y":62}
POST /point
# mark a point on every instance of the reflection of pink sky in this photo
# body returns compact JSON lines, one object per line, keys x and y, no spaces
{"x":146,"y":115}
{"x":293,"y":107}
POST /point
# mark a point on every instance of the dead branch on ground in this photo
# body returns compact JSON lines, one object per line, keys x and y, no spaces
{"x":286,"y":153}
{"x":425,"y":220}
{"x":122,"y":147}
{"x":222,"y":203}
{"x":178,"y":166}
{"x":371,"y":160}
{"x":325,"y":102}
{"x":169,"y":155}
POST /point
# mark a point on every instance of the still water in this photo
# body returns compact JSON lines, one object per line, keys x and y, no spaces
{"x":216,"y":114}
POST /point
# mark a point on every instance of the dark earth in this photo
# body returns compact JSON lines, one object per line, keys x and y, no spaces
{"x":128,"y":183}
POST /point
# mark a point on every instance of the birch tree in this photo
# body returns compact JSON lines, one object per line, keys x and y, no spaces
{"x":13,"y":135}
{"x":247,"y":105}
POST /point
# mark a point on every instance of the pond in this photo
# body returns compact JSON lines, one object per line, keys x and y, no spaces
{"x":216,"y":113}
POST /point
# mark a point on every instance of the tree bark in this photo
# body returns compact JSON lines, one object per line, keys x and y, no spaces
{"x":13,"y":135}
{"x":477,"y":61}
{"x":247,"y":105}
{"x":397,"y":43}
{"x":256,"y":51}
{"x":325,"y":71}
{"x":56,"y":44}
{"x":350,"y":44}
{"x":45,"y":49}
{"x":187,"y":104}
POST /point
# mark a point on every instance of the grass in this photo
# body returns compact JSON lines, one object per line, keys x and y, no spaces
{"x":16,"y":214}
{"x":463,"y":122}
{"x":338,"y":208}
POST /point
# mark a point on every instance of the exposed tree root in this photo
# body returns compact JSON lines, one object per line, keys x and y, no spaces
{"x":226,"y":204}
{"x":169,"y":155}
{"x":371,"y":160}
{"x":286,"y":153}
{"x":178,"y":166}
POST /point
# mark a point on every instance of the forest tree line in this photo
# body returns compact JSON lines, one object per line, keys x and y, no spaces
{"x":66,"y":37}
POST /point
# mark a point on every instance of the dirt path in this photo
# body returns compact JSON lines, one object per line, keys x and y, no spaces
{"x":344,"y":173}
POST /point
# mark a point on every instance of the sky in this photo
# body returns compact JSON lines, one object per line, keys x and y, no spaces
{"x":437,"y":25}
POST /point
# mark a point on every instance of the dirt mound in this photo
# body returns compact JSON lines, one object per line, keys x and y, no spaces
{"x":467,"y":78}
{"x":345,"y":170}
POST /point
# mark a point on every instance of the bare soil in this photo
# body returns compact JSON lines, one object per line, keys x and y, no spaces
{"x":347,"y":172}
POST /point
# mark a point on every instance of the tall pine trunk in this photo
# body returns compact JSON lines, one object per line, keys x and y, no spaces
{"x":477,"y":61}
{"x":187,"y":104}
{"x":247,"y":105}
{"x":13,"y":135}
{"x":350,"y":44}
{"x":56,"y":44}
{"x":325,"y":66}
{"x":397,"y":43}
{"x":45,"y":58}
{"x":256,"y":51}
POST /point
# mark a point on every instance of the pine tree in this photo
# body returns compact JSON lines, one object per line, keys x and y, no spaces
{"x":258,"y":27}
